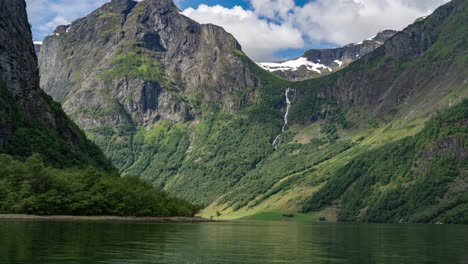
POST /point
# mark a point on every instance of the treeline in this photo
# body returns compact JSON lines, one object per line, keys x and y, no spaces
{"x":30,"y":187}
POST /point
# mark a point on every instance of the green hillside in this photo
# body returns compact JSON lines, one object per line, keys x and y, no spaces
{"x":416,"y":179}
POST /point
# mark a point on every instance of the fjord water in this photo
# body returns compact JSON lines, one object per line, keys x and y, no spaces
{"x":230,"y":242}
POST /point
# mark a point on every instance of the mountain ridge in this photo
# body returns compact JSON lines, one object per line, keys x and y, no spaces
{"x":316,"y":63}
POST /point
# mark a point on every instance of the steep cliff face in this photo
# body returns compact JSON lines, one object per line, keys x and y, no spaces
{"x":131,"y":63}
{"x":21,"y":60}
{"x":29,"y":119}
{"x":320,"y":62}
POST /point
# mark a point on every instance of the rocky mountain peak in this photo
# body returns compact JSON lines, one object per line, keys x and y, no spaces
{"x":384,"y":35}
{"x":320,"y":62}
{"x":119,"y":6}
{"x":146,"y":60}
{"x":159,"y":4}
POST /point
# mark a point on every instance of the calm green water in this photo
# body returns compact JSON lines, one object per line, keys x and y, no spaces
{"x":236,"y":242}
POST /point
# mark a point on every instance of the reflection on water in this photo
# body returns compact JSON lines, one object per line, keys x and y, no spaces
{"x":230,"y":242}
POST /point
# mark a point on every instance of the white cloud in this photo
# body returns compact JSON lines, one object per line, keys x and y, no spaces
{"x":259,"y":38}
{"x":51,"y":25}
{"x":273,"y":25}
{"x":45,"y":15}
{"x":274,"y":9}
{"x":346,"y":21}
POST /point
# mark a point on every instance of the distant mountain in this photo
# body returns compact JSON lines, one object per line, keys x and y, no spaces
{"x":316,"y":63}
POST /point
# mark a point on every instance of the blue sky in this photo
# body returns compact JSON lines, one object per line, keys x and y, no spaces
{"x":183,"y":4}
{"x":268,"y":30}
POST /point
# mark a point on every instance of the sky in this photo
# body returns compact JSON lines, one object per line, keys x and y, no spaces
{"x":268,"y":30}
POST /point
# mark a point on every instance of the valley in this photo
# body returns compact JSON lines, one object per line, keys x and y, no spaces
{"x":132,"y":133}
{"x":370,"y":132}
{"x":212,"y":137}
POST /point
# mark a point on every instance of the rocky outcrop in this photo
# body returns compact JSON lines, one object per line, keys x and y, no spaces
{"x":139,"y":62}
{"x":320,"y":62}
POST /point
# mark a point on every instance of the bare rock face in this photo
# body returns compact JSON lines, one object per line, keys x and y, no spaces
{"x":320,"y":62}
{"x":139,"y":62}
{"x":18,"y":60}
{"x":351,"y":52}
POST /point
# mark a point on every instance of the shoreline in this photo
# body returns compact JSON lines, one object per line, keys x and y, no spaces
{"x":130,"y":219}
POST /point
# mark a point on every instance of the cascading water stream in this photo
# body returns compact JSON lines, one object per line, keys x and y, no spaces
{"x":288,"y":105}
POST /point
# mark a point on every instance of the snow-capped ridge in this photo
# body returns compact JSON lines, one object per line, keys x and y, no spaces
{"x":294,"y":65}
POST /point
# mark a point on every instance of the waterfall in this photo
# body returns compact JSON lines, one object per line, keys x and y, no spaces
{"x":288,"y":105}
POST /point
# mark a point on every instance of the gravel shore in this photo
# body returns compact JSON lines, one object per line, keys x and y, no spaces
{"x":66,"y":218}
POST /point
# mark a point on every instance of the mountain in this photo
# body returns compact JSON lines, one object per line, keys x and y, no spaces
{"x":148,"y":85}
{"x":320,"y":62}
{"x":151,"y":60}
{"x":253,"y":142}
{"x":48,"y":166}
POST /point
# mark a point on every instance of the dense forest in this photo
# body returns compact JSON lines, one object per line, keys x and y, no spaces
{"x":30,"y":187}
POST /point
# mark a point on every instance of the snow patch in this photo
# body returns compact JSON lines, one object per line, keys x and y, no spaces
{"x":37,"y":42}
{"x":294,"y":65}
{"x":372,"y":38}
{"x":338,"y":62}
